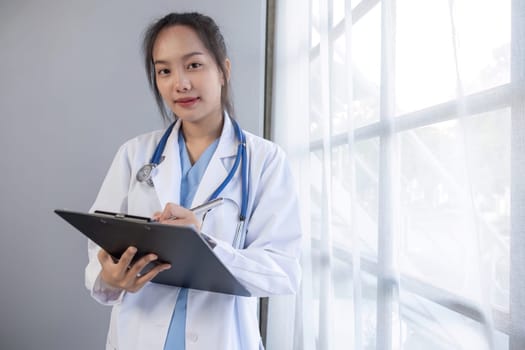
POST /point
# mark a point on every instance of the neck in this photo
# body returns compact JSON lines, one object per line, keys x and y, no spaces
{"x":208,"y":129}
{"x":199,"y":135}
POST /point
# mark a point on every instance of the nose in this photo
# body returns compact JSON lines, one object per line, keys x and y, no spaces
{"x":182,"y":82}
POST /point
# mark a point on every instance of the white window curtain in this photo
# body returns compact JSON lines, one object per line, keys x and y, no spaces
{"x":404,"y":121}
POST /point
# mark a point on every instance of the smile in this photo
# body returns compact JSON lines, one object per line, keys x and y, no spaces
{"x":187,"y":102}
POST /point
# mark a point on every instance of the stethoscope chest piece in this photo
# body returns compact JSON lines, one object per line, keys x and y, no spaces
{"x":145,"y":172}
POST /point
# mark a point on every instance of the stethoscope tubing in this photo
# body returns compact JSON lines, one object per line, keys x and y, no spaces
{"x":155,"y":159}
{"x":240,"y":159}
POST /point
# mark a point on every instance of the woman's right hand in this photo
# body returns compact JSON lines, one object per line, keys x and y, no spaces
{"x":124,"y":276}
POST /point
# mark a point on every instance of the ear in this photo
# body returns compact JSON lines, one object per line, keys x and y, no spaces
{"x":227,"y":69}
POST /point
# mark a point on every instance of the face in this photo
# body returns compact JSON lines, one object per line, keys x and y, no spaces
{"x":188,"y":79}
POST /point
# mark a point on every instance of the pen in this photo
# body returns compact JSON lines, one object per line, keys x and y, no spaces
{"x":207,"y":206}
{"x":203,"y":208}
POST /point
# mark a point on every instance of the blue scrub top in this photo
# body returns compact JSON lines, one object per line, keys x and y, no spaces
{"x":190,"y":178}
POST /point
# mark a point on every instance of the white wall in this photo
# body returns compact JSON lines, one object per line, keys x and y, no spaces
{"x":72,"y":89}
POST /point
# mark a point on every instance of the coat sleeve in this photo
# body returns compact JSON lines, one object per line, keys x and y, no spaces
{"x":111,"y":197}
{"x":269,"y":263}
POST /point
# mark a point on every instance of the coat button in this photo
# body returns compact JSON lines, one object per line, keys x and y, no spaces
{"x":193,"y":337}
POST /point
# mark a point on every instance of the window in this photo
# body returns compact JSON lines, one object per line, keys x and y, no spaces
{"x":413,"y":154}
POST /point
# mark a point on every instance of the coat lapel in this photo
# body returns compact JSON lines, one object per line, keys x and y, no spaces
{"x":217,"y":169}
{"x":167,"y":175}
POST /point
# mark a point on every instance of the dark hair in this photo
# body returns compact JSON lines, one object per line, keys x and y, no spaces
{"x":210,"y":35}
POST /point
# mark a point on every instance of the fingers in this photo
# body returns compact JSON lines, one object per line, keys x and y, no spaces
{"x":106,"y":260}
{"x":141,"y":263}
{"x":114,"y":273}
{"x":174,"y":214}
{"x":166,"y":213}
{"x":156,"y":216}
{"x":126,"y":258}
{"x":172,"y":211}
{"x":142,"y":280}
{"x":103,"y":256}
{"x":134,"y":281}
{"x":125,"y":276}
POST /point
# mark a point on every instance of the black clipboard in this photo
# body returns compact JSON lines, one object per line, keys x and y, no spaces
{"x":193,"y":263}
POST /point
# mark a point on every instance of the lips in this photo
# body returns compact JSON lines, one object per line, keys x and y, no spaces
{"x":187,"y":101}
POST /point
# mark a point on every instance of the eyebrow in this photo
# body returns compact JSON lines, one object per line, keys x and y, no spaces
{"x":184,"y":57}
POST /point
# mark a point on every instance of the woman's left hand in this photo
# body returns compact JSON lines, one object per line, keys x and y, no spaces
{"x":174,"y":214}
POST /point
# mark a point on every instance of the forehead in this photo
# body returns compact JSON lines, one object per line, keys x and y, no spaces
{"x":176,"y":41}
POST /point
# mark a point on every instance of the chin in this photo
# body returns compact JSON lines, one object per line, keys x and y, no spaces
{"x":185,"y":114}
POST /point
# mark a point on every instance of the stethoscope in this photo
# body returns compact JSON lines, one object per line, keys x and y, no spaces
{"x":145,"y":172}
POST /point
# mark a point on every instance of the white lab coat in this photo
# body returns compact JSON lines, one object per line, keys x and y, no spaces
{"x":267,"y":266}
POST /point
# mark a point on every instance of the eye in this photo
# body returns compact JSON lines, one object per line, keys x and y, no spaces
{"x":194,"y":65}
{"x":163,"y":71}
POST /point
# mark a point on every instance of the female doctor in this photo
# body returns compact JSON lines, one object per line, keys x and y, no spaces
{"x":203,"y":155}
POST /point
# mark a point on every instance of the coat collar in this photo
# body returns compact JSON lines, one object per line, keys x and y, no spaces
{"x":167,"y":175}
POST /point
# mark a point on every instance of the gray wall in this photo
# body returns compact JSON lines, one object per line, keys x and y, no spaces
{"x":72,"y":89}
